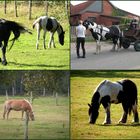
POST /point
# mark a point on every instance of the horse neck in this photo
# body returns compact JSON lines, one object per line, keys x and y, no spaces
{"x":29,"y":106}
{"x":60,"y":29}
{"x":95,"y":103}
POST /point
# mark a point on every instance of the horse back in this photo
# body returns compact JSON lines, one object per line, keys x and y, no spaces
{"x":17,"y":105}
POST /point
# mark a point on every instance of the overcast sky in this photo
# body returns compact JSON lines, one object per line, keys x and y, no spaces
{"x":130,"y":6}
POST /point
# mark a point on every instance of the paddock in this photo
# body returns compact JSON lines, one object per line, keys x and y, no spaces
{"x":83,"y":84}
{"x":123,"y":59}
{"x":46,"y":124}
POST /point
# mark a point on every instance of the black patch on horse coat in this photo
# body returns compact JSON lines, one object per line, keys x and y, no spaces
{"x":129,"y":96}
{"x":95,"y":36}
{"x":120,"y":96}
{"x":95,"y":97}
{"x":49,"y":25}
{"x":105,"y":101}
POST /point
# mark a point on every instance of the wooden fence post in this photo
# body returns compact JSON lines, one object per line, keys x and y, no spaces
{"x":26,"y":126}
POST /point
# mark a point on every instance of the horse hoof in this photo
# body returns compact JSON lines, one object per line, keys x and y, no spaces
{"x":4,"y":62}
{"x":106,"y":123}
{"x":0,"y":59}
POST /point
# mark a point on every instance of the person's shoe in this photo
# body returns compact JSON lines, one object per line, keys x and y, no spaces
{"x":83,"y":57}
{"x":78,"y":56}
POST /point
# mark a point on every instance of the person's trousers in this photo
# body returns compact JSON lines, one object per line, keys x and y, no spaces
{"x":80,"y":41}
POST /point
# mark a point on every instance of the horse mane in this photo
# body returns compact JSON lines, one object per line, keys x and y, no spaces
{"x":100,"y":85}
{"x":28,"y":103}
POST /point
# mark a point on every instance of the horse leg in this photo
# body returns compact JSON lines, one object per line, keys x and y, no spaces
{"x":51,"y":40}
{"x":135,"y":113}
{"x":8,"y":113}
{"x":124,"y":116}
{"x":44,"y":37}
{"x":97,"y":47}
{"x":4,"y":62}
{"x":38,"y":35}
{"x":106,"y":104}
{"x":22,"y":114}
{"x":4,"y":113}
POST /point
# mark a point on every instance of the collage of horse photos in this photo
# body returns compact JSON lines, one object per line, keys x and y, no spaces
{"x":69,"y":69}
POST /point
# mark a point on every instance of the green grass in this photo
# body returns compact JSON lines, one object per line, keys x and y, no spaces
{"x":83,"y":84}
{"x":51,"y":121}
{"x":24,"y":55}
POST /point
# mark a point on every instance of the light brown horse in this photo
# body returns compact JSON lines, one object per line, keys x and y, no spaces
{"x":18,"y":105}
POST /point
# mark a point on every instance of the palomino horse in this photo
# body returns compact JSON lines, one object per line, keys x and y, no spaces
{"x":18,"y":105}
{"x":6,"y":27}
{"x":49,"y":24}
{"x":124,"y":91}
{"x":100,"y":32}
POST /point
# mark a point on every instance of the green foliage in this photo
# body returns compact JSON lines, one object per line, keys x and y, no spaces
{"x":83,"y":84}
{"x":35,"y":82}
{"x":118,"y":12}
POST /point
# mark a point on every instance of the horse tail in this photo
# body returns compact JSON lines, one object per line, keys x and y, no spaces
{"x":5,"y":109}
{"x":130,"y":91}
{"x":17,"y":29}
{"x":36,"y":21}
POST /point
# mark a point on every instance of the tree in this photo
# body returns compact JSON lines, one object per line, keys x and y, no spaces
{"x":16,"y":8}
{"x":30,"y":9}
{"x":5,"y":5}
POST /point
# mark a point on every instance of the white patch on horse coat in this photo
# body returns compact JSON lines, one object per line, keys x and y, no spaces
{"x":108,"y":88}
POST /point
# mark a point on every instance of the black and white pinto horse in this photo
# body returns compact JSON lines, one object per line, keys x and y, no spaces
{"x":49,"y":24}
{"x":100,"y":32}
{"x":6,"y":27}
{"x":107,"y":92}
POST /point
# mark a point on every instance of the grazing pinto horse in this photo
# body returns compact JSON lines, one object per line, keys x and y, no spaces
{"x":6,"y":27}
{"x":18,"y":105}
{"x":49,"y":24}
{"x":124,"y":91}
{"x":100,"y":32}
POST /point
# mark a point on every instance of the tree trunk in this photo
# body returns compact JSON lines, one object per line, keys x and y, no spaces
{"x":13,"y":91}
{"x":16,"y":8}
{"x":31,"y":97}
{"x":67,"y":8}
{"x":7,"y":95}
{"x":30,"y":9}
{"x":44,"y":92}
{"x":47,"y":6}
{"x":5,"y":5}
{"x":56,"y":98}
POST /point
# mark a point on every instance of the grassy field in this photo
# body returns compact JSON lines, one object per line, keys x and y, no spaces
{"x":51,"y":121}
{"x":24,"y":55}
{"x":83,"y":84}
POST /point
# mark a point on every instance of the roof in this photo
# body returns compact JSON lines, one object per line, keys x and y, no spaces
{"x":79,"y":7}
{"x":92,"y":5}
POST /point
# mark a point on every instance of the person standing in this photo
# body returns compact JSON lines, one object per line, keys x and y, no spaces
{"x":80,"y":34}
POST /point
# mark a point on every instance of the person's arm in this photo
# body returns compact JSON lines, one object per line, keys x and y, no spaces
{"x":76,"y":31}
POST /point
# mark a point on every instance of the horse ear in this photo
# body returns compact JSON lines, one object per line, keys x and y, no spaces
{"x":89,"y":105}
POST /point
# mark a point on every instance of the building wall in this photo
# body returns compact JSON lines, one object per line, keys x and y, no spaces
{"x":107,"y":8}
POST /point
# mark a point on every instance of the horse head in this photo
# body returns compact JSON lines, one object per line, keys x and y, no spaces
{"x":61,"y":36}
{"x":89,"y":25}
{"x":31,"y":114}
{"x":93,"y":114}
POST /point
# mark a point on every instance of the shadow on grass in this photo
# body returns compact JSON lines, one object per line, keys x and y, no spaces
{"x":108,"y":125}
{"x":40,"y":66}
{"x":106,"y":73}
